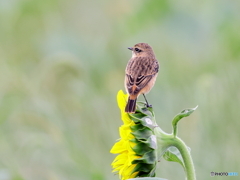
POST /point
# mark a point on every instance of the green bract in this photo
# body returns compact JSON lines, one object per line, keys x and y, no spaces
{"x":143,"y":143}
{"x":145,"y":140}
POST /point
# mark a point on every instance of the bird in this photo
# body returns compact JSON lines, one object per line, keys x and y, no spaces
{"x":140,"y":74}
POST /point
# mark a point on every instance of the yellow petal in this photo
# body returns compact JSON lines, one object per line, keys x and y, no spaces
{"x":124,"y":148}
{"x":118,"y":147}
{"x":125,"y":118}
{"x":122,"y":99}
{"x":122,"y":102}
{"x":124,"y":131}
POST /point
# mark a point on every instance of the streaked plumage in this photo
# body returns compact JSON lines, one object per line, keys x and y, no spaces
{"x":141,"y":73}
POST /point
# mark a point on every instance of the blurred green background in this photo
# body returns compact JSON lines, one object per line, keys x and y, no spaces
{"x":62,"y":64}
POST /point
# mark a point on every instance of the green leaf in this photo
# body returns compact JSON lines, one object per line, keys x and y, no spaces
{"x":136,"y":117}
{"x":148,"y":122}
{"x":144,"y":116}
{"x":173,"y":154}
{"x":142,"y":134}
{"x":136,"y":127}
{"x":143,"y":167}
{"x":148,"y":178}
{"x":141,"y":148}
{"x":183,"y":113}
{"x":148,"y":158}
{"x":141,"y":107}
{"x":178,"y":117}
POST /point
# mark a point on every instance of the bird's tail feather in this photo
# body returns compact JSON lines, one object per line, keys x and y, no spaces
{"x":131,"y":106}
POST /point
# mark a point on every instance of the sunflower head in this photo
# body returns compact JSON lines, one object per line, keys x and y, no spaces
{"x":137,"y":146}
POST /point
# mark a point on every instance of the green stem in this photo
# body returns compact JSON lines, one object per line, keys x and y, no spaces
{"x":189,"y":167}
{"x":165,"y":141}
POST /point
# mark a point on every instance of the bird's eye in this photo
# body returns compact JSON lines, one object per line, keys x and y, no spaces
{"x":138,"y":50}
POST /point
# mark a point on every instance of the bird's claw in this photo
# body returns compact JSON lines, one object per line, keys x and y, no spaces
{"x":148,"y":105}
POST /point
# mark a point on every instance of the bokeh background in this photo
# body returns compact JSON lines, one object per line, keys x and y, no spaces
{"x":62,"y":64}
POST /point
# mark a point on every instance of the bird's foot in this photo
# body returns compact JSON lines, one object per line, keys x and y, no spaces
{"x":148,"y":105}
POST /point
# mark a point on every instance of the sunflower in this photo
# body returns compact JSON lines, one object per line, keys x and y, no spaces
{"x":135,"y":145}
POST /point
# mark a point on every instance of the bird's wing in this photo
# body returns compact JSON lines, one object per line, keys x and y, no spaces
{"x":134,"y":87}
{"x":139,"y":73}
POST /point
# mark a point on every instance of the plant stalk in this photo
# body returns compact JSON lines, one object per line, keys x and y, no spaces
{"x":167,"y":140}
{"x":189,"y":167}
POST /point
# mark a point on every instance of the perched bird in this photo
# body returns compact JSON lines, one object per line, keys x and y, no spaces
{"x":141,"y":73}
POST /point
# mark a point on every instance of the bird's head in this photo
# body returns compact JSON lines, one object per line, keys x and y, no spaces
{"x":141,"y":50}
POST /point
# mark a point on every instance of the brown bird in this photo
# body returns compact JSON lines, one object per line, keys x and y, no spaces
{"x":141,"y":73}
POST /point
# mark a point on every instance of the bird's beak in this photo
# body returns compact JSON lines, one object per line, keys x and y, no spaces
{"x":130,"y":48}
